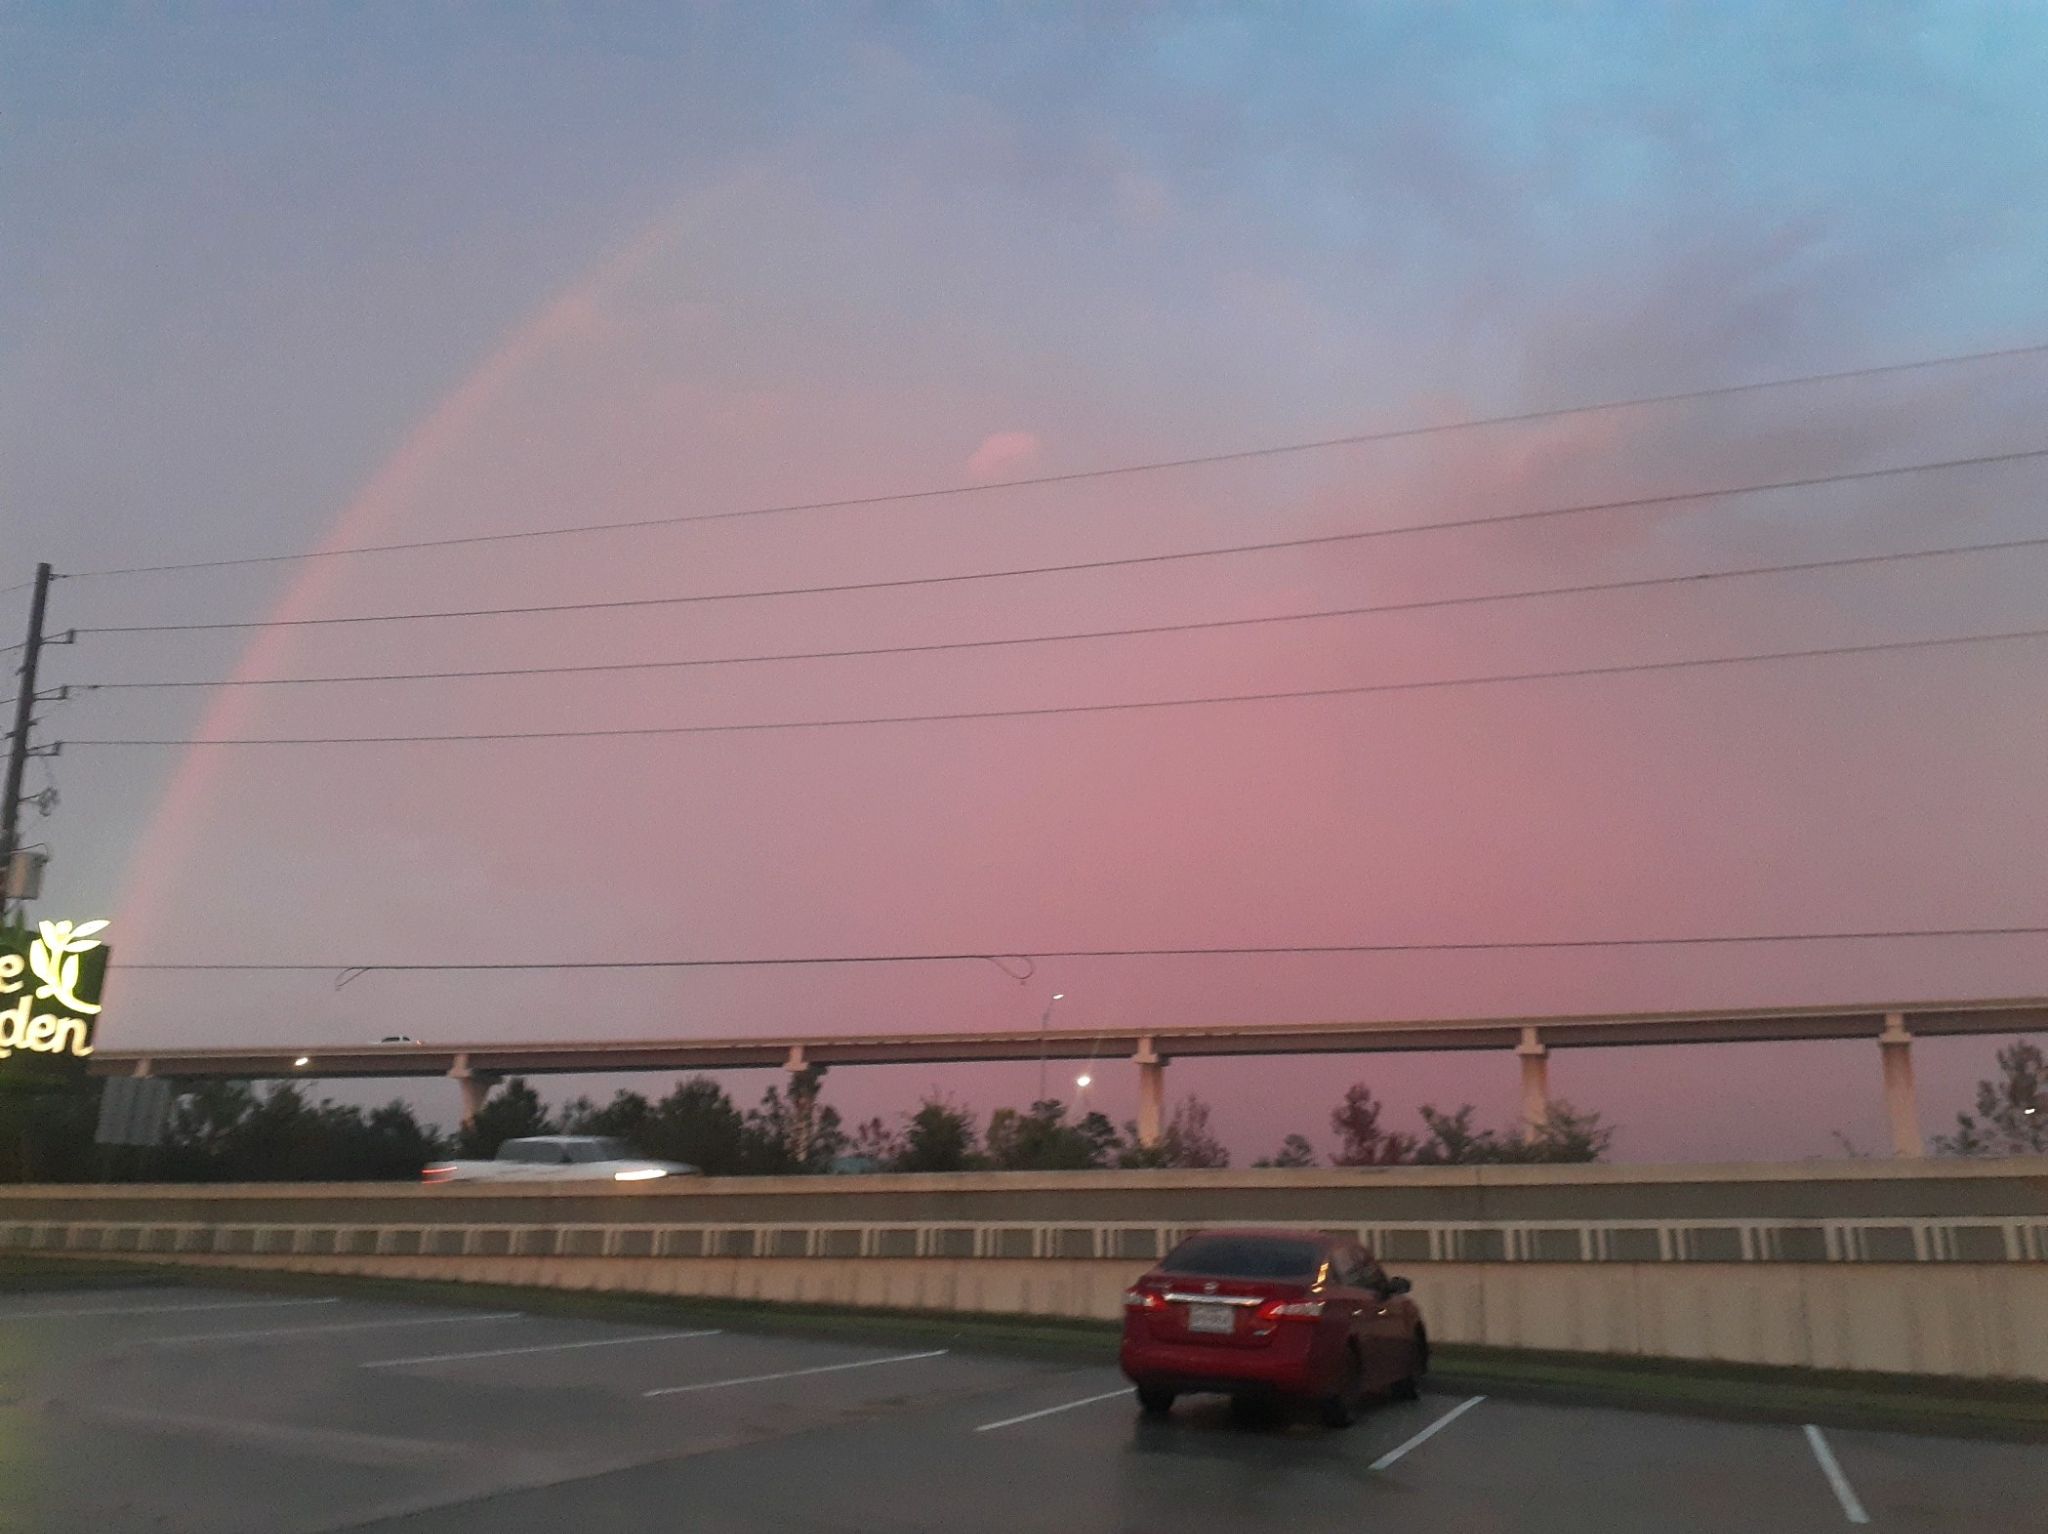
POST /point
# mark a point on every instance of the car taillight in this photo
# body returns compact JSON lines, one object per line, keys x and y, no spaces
{"x":1143,"y":1299}
{"x":437,"y":1174}
{"x":1290,"y":1310}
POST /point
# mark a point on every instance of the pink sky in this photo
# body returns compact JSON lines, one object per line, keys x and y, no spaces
{"x":935,"y":283}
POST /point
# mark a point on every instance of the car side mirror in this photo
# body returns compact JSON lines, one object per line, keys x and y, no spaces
{"x":1398,"y":1286}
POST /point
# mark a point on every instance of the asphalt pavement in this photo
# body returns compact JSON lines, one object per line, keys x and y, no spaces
{"x":172,"y":1410}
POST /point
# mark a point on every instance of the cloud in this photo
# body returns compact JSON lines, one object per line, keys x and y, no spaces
{"x":1002,"y":450}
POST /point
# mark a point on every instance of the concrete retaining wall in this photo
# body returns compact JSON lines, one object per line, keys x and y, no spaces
{"x":1935,"y":1268}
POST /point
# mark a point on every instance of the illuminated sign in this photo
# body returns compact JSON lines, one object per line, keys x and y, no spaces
{"x":50,"y":984}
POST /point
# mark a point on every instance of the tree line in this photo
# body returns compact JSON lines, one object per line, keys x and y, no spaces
{"x":232,"y":1133}
{"x":793,"y":1131}
{"x":228,"y":1131}
{"x":1447,"y":1139}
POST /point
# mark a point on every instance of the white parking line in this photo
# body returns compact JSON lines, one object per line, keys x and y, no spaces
{"x":545,"y":1347}
{"x":1844,"y":1492}
{"x":790,"y":1374}
{"x":161,"y":1310}
{"x":346,"y":1326}
{"x":1429,"y":1432}
{"x":1033,"y":1416}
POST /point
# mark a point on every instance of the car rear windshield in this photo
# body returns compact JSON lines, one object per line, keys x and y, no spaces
{"x":1245,"y":1257}
{"x":599,"y":1150}
{"x":544,"y":1152}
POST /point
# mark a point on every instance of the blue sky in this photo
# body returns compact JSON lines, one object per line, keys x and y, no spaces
{"x":446,"y":270}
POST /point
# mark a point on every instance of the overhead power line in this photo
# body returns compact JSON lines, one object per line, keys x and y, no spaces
{"x":1419,"y":605}
{"x":624,"y":731}
{"x":1072,"y":567}
{"x":1152,"y":466}
{"x":525,"y":966}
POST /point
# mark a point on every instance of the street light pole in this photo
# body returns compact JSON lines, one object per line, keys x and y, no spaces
{"x":1044,"y":1022}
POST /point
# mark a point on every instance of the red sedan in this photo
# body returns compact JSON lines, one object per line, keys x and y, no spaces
{"x":1287,"y":1314}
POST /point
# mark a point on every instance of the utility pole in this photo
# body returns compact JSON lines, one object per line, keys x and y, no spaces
{"x":17,"y":741}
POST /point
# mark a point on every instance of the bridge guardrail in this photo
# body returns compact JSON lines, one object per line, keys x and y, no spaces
{"x":1990,"y":1240}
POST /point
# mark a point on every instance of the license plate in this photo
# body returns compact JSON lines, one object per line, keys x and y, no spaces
{"x":1212,"y":1318}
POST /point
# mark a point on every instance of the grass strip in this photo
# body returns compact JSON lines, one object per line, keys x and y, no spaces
{"x":1908,"y":1403}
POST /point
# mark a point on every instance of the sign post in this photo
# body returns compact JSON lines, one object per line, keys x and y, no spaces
{"x":133,"y":1110}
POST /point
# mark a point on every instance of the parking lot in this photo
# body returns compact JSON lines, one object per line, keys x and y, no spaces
{"x":180,"y":1409}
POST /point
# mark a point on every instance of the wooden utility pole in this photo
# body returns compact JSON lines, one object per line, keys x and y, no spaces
{"x":17,"y":740}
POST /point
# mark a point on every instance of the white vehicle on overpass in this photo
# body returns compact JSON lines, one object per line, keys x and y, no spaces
{"x":559,"y":1158}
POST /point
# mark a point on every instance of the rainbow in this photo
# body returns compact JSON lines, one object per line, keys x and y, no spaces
{"x":167,"y":839}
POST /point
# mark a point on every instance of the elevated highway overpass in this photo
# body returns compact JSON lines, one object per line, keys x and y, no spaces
{"x":478,"y":1066}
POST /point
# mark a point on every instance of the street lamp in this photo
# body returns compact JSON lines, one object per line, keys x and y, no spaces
{"x":1083,"y":1080}
{"x":1044,"y":1021}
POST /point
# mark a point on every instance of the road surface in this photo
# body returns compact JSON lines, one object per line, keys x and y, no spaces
{"x":171,"y":1409}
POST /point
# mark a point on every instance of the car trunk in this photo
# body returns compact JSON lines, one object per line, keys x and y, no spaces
{"x":1218,"y":1312}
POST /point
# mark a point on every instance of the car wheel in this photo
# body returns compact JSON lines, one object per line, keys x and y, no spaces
{"x":1341,"y":1410}
{"x":1155,"y":1400}
{"x":1411,"y":1387}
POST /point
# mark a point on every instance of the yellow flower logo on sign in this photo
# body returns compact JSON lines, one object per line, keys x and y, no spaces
{"x":54,"y":958}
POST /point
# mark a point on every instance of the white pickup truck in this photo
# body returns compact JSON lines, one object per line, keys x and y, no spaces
{"x":558,"y":1158}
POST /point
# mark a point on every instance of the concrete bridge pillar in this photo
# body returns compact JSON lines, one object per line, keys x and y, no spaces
{"x":1535,"y":1057}
{"x":1895,"y":1046}
{"x":475,"y":1085}
{"x":1151,"y":1091}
